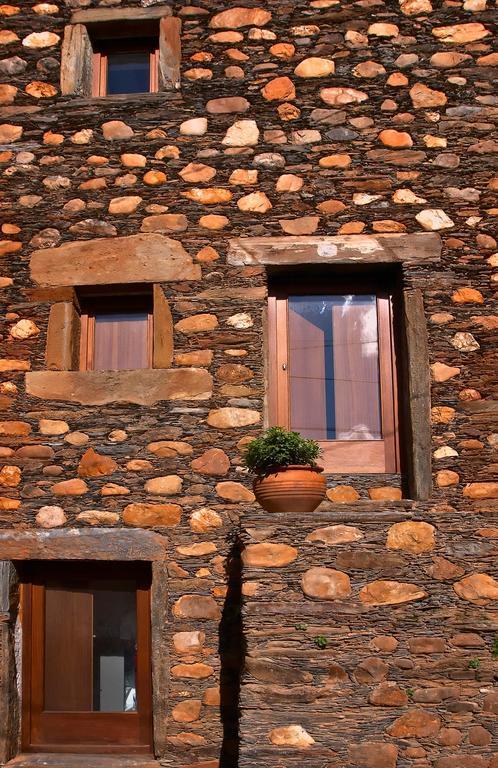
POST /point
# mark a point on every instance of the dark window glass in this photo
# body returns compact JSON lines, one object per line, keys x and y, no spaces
{"x":334,"y":382}
{"x":128,"y":72}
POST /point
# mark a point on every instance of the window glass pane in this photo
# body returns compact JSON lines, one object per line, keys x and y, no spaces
{"x":334,"y":367}
{"x":114,"y":651}
{"x":128,"y":72}
{"x":121,"y":341}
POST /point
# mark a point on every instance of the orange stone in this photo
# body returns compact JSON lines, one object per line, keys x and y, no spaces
{"x":152,"y":515}
{"x":234,"y":492}
{"x":335,"y":161}
{"x":92,"y":464}
{"x":314,"y":67}
{"x":392,"y":138}
{"x":283,"y":50}
{"x":74,"y":487}
{"x":197,"y":671}
{"x":467,"y":296}
{"x":478,"y":588}
{"x":422,"y":96}
{"x":331,"y":207}
{"x":279,"y":89}
{"x":187,"y":711}
{"x":446,"y":478}
{"x":291,"y":736}
{"x":268,"y":555}
{"x":214,"y":461}
{"x":208,"y":195}
{"x":343,"y":494}
{"x":235,"y":18}
{"x":205,"y":520}
{"x":461,"y":33}
{"x":326,"y":584}
{"x":335,"y":534}
{"x":411,"y":537}
{"x":385,"y":592}
{"x":14,"y":428}
{"x":385,"y":493}
{"x":196,"y":172}
{"x":196,"y":607}
{"x":481,"y":491}
{"x":418,"y":723}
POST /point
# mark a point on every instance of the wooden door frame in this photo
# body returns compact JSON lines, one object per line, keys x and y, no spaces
{"x":105,"y":544}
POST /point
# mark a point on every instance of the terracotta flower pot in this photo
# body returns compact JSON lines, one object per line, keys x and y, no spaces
{"x":291,"y":489}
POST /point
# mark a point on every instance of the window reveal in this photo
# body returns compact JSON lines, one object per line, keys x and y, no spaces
{"x":333,"y":376}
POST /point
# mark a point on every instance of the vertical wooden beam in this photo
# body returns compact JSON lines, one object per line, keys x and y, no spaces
{"x":417,"y":400}
{"x":170,"y":53}
{"x":76,"y":61}
{"x":63,"y":334}
{"x":9,"y":704}
{"x":162,"y":353}
{"x":160,"y":655}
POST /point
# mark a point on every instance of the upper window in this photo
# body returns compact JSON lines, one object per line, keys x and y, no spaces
{"x":332,"y":372}
{"x":125,"y":66}
{"x":116,"y":333}
{"x":86,"y":657}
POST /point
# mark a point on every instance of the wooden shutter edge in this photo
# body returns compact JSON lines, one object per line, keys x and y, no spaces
{"x":170,"y":53}
{"x":76,"y":61}
{"x":162,"y":350}
{"x":63,"y":333}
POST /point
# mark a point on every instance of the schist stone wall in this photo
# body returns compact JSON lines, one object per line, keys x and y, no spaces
{"x":369,"y":628}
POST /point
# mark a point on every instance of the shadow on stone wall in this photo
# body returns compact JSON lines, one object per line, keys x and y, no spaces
{"x":231,"y":648}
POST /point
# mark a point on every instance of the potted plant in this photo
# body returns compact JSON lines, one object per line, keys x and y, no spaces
{"x":287,"y":476}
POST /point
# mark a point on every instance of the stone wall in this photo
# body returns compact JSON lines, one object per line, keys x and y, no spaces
{"x":294,"y":117}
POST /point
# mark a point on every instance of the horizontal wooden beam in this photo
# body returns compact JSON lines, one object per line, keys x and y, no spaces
{"x":100,"y":15}
{"x":417,"y":248}
{"x":76,"y":544}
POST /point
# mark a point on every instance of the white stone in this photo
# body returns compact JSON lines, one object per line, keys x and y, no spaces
{"x":433,"y":219}
{"x":241,"y":320}
{"x":243,"y":133}
{"x":196,"y":126}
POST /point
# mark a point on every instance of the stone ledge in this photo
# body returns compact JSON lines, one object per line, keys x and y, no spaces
{"x":418,"y":248}
{"x":142,"y":387}
{"x":80,"y":544}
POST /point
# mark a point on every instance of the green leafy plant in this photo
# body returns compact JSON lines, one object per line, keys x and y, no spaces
{"x":301,"y":627}
{"x":474,"y":663}
{"x":410,"y":693}
{"x":278,"y":447}
{"x":494,"y":649}
{"x":320,"y":641}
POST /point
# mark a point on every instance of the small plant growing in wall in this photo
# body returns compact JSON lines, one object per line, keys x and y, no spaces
{"x":301,"y":627}
{"x":474,"y":663}
{"x":287,"y":476}
{"x":321,"y":642}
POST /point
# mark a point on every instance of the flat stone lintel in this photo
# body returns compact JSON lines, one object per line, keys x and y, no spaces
{"x":80,"y":544}
{"x":142,"y":387}
{"x":418,"y":248}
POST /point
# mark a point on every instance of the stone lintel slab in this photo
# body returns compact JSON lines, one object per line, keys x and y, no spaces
{"x":142,"y":387}
{"x":102,"y":15}
{"x":142,"y":258}
{"x":418,"y":248}
{"x":80,"y":544}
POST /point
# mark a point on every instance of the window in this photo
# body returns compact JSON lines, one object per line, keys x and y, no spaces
{"x":86,"y":657}
{"x":116,"y":333}
{"x":125,"y":66}
{"x":332,"y":371}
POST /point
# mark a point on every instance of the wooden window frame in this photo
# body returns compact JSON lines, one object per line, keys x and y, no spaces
{"x":100,"y":64}
{"x":123,"y":732}
{"x":338,"y":456}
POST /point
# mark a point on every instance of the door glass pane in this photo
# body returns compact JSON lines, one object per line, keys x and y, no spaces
{"x":121,"y":341}
{"x":90,"y":647}
{"x":128,"y":72}
{"x":334,"y":367}
{"x":114,"y":651}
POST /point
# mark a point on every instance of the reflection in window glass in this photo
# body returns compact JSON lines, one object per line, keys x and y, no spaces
{"x":114,"y":651}
{"x":334,"y":367}
{"x":128,"y":72}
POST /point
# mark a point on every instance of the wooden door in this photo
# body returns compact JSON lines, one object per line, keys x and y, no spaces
{"x":84,"y":625}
